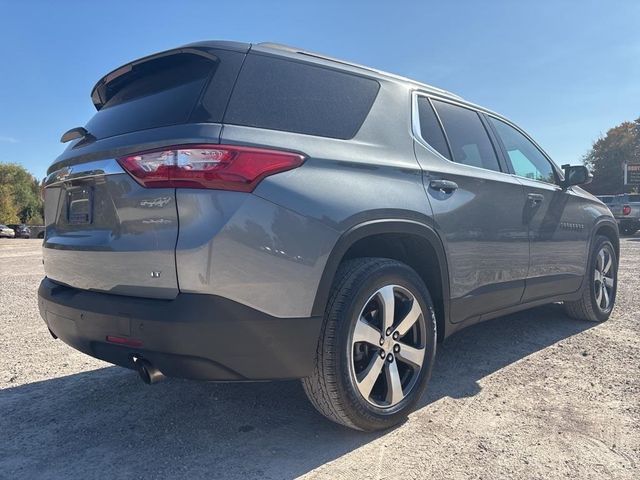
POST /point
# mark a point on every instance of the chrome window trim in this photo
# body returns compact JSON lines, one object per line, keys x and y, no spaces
{"x":97,"y":168}
{"x":416,"y":131}
{"x":417,"y":135}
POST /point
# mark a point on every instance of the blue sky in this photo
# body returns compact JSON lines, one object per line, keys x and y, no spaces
{"x":566,"y":71}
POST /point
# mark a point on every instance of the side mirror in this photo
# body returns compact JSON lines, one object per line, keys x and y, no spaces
{"x":576,"y":175}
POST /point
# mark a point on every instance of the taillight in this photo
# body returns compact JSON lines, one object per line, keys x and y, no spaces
{"x":224,"y":167}
{"x":626,"y":210}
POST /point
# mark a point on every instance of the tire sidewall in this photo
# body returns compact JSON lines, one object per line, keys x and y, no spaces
{"x":396,"y":274}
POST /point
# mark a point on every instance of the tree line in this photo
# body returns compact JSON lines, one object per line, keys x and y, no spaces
{"x":20,"y":199}
{"x":608,"y":155}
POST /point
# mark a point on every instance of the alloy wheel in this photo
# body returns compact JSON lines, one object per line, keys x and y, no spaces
{"x":387,"y":347}
{"x":603,"y":279}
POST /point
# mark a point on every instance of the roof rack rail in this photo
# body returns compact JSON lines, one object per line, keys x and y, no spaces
{"x":288,"y":48}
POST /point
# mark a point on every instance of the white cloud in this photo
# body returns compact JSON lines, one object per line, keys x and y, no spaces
{"x":8,"y":139}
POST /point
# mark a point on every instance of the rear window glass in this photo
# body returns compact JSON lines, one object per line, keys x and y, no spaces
{"x":279,"y":94}
{"x":156,"y":93}
{"x":469,"y":141}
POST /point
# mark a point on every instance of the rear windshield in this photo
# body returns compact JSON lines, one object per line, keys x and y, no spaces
{"x":156,"y":93}
{"x":284,"y":95}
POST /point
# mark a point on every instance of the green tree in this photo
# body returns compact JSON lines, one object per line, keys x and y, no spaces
{"x":8,"y":209}
{"x":19,"y":195}
{"x":607,"y":157}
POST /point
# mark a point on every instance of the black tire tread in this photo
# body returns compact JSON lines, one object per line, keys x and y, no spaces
{"x":321,"y":387}
{"x":582,"y":309}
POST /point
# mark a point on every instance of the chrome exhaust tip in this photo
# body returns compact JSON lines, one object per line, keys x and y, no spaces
{"x":148,"y":373}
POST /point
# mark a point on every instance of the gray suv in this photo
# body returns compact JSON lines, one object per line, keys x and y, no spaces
{"x":258,"y":212}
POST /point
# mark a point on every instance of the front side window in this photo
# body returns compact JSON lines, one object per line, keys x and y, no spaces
{"x":467,"y":136}
{"x":527,"y":161}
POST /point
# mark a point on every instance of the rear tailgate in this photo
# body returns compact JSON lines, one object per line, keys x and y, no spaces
{"x":107,"y":233}
{"x":104,"y":231}
{"x":616,"y":208}
{"x":635,"y":210}
{"x":634,"y":203}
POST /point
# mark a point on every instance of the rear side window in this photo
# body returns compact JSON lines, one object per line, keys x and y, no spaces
{"x":155,"y":93}
{"x":467,"y":136}
{"x":279,"y":94}
{"x":430,"y":129}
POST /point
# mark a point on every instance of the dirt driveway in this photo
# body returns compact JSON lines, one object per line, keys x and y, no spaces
{"x":531,"y":395}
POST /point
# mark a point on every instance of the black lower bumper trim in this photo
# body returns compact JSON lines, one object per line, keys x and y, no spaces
{"x":631,"y":222}
{"x":193,"y":336}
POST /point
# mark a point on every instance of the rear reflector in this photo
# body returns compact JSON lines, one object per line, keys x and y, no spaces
{"x":130,"y":342}
{"x":223,"y":167}
{"x":626,"y":210}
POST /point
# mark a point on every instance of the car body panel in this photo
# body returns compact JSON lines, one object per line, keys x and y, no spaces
{"x":486,"y":241}
{"x":629,"y":223}
{"x":250,"y":250}
{"x":6,"y":232}
{"x":128,"y":246}
{"x":559,"y":232}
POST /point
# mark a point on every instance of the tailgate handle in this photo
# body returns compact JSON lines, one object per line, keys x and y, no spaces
{"x":97,"y":168}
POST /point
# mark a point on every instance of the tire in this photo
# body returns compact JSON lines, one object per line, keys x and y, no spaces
{"x":598,"y":299}
{"x":339,"y":382}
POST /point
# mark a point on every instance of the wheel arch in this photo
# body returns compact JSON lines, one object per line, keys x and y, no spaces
{"x":609,"y":229}
{"x":411,"y":242}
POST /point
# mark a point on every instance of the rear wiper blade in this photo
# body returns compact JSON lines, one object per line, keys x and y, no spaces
{"x":73,"y":134}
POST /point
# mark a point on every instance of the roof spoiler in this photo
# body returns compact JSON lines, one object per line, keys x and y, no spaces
{"x":100,"y":94}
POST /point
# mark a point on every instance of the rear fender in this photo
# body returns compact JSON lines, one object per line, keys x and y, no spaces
{"x":377,"y":227}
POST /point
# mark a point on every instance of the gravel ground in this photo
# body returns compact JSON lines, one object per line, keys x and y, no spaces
{"x":531,"y":395}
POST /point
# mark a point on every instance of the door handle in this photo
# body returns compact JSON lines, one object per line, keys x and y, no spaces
{"x":446,"y":186}
{"x":535,"y":198}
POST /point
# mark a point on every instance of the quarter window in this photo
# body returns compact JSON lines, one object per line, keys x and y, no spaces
{"x":279,"y":94}
{"x":430,"y":129}
{"x":527,"y":161}
{"x":467,"y":136}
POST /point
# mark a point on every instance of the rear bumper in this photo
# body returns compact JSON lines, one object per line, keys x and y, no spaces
{"x":200,"y":337}
{"x":630,"y":221}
